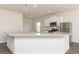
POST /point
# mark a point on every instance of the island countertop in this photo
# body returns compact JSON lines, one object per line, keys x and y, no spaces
{"x":26,"y":43}
{"x":38,"y":34}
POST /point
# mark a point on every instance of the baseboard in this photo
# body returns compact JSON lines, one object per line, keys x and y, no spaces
{"x":74,"y":43}
{"x":2,"y":41}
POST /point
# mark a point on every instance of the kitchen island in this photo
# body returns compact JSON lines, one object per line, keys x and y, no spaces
{"x":38,"y":43}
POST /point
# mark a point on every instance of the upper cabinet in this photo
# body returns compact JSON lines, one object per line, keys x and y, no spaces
{"x":52,"y":19}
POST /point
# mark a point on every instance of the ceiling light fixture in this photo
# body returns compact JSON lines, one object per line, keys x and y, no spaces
{"x":30,"y":16}
{"x":35,"y":5}
{"x":49,"y":11}
{"x":25,"y":6}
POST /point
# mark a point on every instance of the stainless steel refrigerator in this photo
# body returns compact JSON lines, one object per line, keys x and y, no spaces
{"x":66,"y":27}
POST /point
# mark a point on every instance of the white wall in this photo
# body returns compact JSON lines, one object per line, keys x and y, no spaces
{"x":72,"y":16}
{"x":27,"y":25}
{"x":10,"y":22}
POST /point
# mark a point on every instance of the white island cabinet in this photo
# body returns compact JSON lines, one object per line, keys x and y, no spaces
{"x":35,"y":43}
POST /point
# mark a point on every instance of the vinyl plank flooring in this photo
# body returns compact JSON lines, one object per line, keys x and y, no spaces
{"x":4,"y":49}
{"x":74,"y":48}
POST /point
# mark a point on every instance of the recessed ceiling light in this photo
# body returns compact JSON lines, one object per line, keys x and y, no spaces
{"x":35,"y":5}
{"x":49,"y":11}
{"x":30,"y":16}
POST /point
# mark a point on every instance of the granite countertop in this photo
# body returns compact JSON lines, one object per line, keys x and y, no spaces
{"x":38,"y":34}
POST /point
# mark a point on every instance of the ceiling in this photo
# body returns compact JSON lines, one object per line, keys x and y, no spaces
{"x":36,"y":10}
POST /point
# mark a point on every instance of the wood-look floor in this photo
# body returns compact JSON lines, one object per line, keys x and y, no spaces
{"x":74,"y":49}
{"x":4,"y":49}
